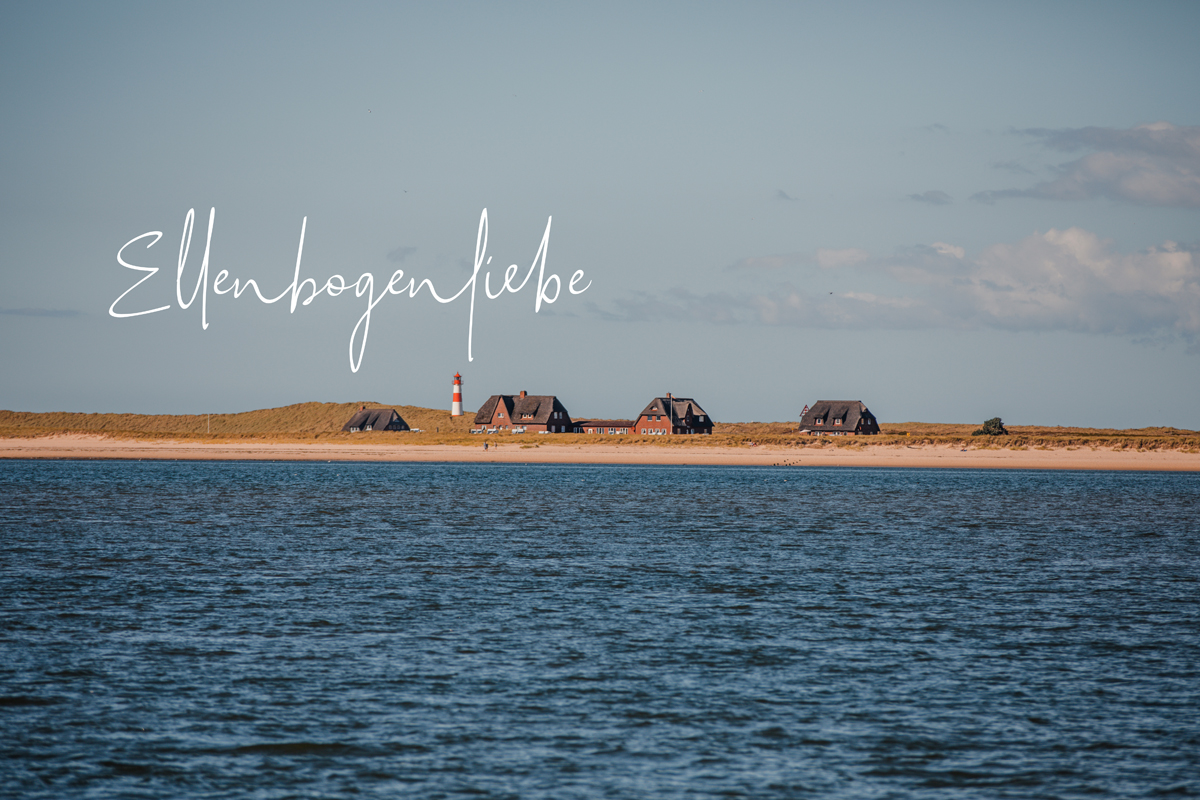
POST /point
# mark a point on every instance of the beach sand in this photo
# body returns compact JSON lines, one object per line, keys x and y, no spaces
{"x":80,"y":446}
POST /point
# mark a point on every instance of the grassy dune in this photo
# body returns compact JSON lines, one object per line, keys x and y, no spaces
{"x":323,"y":422}
{"x":300,"y":422}
{"x":1020,"y":437}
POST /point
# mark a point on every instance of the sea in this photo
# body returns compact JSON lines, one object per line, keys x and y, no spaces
{"x":396,"y":630}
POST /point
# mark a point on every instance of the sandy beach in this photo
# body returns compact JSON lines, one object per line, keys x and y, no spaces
{"x":78,"y":446}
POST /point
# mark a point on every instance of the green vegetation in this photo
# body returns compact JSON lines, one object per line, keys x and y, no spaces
{"x":309,"y":422}
{"x":991,"y":427}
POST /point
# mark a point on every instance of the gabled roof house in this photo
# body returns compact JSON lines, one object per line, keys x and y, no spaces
{"x":375,"y":419}
{"x":523,"y":413}
{"x":670,"y":415}
{"x":838,"y":418}
{"x":607,"y":426}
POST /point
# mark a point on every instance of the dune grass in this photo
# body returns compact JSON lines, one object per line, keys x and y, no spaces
{"x":1020,"y":437}
{"x":300,"y":422}
{"x":309,"y":422}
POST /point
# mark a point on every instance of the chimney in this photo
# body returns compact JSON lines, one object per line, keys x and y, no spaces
{"x":522,"y":394}
{"x":669,"y":397}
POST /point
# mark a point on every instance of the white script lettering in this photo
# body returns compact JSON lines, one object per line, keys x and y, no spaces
{"x":336,"y":284}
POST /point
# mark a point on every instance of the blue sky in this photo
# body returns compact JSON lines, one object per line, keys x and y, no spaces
{"x":950,"y":211}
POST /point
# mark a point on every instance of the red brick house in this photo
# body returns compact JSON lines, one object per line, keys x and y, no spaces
{"x":670,"y":415}
{"x":838,"y":418}
{"x":605,"y":426}
{"x":523,"y":413}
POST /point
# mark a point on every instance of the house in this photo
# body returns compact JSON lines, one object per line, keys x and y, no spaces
{"x":375,"y":419}
{"x":523,"y":413}
{"x":605,"y":426}
{"x":670,"y":415}
{"x":838,"y":418}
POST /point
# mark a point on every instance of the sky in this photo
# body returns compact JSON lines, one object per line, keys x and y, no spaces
{"x":949,"y":211}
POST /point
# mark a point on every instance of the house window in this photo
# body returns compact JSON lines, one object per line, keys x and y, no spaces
{"x":837,"y":422}
{"x":819,"y":421}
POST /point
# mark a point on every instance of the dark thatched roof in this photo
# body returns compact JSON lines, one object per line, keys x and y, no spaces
{"x":676,"y":409}
{"x":532,"y":409}
{"x":488,"y":409}
{"x":376,"y":419}
{"x":850,"y":412}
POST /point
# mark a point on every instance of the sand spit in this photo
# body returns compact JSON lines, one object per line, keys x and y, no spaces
{"x":83,"y":446}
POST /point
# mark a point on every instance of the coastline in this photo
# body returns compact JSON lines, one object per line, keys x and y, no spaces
{"x":90,"y":446}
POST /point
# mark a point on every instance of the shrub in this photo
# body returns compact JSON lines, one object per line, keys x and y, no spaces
{"x":992,"y":427}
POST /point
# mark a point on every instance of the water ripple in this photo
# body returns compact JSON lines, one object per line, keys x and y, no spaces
{"x":500,"y":631}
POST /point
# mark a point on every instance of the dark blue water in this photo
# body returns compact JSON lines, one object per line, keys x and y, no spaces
{"x":285,"y":630}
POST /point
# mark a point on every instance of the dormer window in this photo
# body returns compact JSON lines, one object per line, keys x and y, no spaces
{"x":819,"y":421}
{"x":837,"y":422}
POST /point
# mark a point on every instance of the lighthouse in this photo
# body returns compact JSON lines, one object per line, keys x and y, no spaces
{"x":456,"y":400}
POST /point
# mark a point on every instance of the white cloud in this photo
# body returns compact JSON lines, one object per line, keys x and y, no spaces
{"x":1059,"y":280}
{"x":773,"y":262}
{"x":933,"y":197}
{"x":1074,"y":280}
{"x":833,"y":259}
{"x":1152,"y":165}
{"x":949,"y":250}
{"x":1012,"y":166}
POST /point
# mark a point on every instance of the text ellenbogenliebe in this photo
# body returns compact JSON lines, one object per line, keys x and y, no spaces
{"x":336,"y":284}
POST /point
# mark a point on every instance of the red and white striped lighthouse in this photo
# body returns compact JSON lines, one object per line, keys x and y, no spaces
{"x":456,"y":401}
